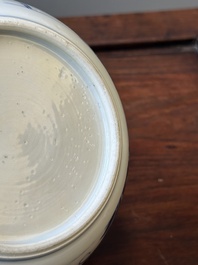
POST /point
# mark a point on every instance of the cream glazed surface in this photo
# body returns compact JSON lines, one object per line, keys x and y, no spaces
{"x":63,"y":141}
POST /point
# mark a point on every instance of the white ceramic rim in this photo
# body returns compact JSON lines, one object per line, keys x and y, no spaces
{"x":24,"y":250}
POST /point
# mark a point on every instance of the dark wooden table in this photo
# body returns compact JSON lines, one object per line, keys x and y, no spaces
{"x":152,"y":59}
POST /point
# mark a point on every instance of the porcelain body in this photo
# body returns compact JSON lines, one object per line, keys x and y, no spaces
{"x":67,"y":135}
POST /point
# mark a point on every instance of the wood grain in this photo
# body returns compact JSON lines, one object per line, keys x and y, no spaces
{"x":157,"y":222}
{"x":136,"y":28}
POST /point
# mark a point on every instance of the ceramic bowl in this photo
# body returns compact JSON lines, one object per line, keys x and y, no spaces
{"x":63,"y":142}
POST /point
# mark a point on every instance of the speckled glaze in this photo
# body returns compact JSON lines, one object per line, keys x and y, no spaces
{"x":63,"y":142}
